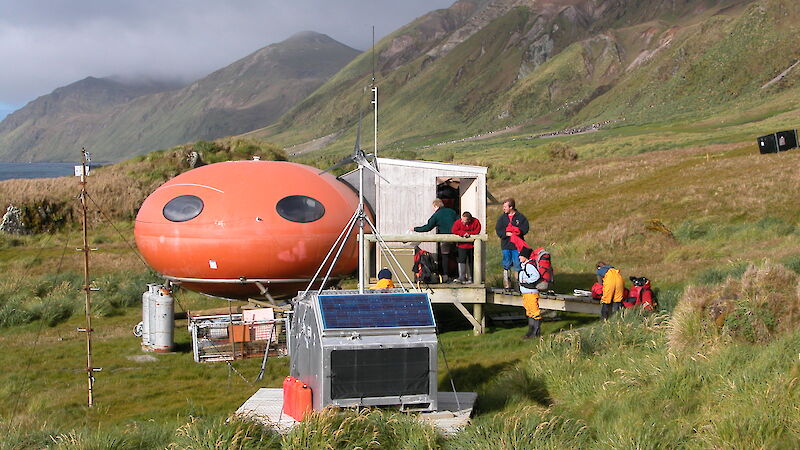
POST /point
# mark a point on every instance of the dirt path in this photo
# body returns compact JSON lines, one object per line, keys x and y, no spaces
{"x":311,"y":146}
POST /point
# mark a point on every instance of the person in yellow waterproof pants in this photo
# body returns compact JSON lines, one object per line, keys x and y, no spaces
{"x":613,"y":287}
{"x":528,"y":277}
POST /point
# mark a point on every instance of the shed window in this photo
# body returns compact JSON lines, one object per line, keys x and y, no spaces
{"x":300,"y":208}
{"x":183,"y":208}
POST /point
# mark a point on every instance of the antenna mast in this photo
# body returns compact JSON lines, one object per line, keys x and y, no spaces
{"x":87,"y":289}
{"x":374,"y":98}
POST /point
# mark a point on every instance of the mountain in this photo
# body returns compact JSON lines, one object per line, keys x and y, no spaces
{"x":482,"y":65}
{"x":478,"y":66}
{"x":115,"y":119}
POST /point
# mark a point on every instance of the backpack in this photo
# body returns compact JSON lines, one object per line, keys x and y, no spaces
{"x":524,"y":271}
{"x":545,"y":266}
{"x":424,"y":267}
{"x":597,"y":291}
{"x":640,"y":294}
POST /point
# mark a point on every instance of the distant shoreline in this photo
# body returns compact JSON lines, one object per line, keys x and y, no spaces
{"x":11,"y":171}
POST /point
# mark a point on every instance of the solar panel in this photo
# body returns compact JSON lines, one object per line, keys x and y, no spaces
{"x":375,"y":311}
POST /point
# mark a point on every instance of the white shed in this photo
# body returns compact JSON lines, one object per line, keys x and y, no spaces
{"x":404,"y":199}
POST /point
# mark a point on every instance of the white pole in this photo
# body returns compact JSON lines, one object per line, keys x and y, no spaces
{"x":375,"y":119}
{"x":361,"y":280}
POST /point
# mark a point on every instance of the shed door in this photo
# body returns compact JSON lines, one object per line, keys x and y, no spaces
{"x":470,"y":197}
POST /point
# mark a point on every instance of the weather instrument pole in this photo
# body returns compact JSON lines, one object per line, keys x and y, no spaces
{"x":374,"y":147}
{"x":83,"y":171}
{"x":361,"y":280}
{"x":374,"y":99}
{"x":358,"y":157}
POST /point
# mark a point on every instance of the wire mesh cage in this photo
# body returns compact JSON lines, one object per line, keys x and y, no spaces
{"x":228,"y":337}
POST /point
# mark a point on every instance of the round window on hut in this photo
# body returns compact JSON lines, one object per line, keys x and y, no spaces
{"x":183,"y":208}
{"x":299,"y":208}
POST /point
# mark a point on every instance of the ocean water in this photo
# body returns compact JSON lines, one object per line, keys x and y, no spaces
{"x":10,"y":171}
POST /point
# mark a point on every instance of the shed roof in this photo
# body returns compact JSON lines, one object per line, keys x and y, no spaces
{"x":432,"y":165}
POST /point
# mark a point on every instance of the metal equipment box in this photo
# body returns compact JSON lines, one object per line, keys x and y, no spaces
{"x":371,"y":349}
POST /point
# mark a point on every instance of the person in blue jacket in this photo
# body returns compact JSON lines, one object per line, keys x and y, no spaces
{"x":510,"y":224}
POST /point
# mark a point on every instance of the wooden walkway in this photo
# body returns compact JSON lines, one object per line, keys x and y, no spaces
{"x":478,"y":295}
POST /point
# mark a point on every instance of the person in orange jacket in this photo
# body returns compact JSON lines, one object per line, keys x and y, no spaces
{"x":613,"y":289}
{"x":384,"y":280}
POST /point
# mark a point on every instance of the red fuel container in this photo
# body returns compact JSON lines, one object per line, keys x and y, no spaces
{"x":304,"y":402}
{"x":289,"y":395}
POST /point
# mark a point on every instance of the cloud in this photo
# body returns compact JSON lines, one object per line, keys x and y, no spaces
{"x":45,"y":44}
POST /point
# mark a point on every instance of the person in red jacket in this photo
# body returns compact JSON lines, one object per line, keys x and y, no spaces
{"x":466,"y":227}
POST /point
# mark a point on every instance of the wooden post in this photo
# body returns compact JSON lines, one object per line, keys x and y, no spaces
{"x":477,"y":264}
{"x":476,"y":325}
{"x":367,"y":262}
{"x":477,"y":312}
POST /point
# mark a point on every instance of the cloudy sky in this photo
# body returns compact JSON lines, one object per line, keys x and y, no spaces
{"x":45,"y":44}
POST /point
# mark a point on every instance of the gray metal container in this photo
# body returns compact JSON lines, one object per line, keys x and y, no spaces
{"x":373,"y":349}
{"x":162,"y":315}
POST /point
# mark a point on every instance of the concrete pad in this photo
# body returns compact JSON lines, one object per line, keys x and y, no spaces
{"x":266,"y":406}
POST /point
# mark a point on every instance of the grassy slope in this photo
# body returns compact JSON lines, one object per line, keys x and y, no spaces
{"x":725,"y":204}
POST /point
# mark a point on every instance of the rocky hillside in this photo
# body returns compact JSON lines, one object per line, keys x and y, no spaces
{"x":116,"y":120}
{"x":480,"y":66}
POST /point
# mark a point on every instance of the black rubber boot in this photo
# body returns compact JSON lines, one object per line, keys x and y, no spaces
{"x":605,"y":311}
{"x":537,"y":327}
{"x":515,"y":283}
{"x":462,"y":273}
{"x":531,"y":328}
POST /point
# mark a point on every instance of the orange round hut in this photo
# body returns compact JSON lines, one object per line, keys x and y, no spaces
{"x":230,"y":228}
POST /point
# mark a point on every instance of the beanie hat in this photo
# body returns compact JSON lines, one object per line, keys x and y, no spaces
{"x":526,"y":252}
{"x":385,"y":274}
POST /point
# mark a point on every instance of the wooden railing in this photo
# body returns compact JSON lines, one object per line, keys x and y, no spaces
{"x":477,"y":240}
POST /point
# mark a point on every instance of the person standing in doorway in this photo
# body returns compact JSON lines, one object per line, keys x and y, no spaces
{"x":511,"y":227}
{"x":442,"y":219}
{"x":466,"y":227}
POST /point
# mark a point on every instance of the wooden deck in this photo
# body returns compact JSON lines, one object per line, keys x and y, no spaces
{"x":477,"y":295}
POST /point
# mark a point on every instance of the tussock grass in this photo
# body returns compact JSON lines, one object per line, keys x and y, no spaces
{"x":369,"y":428}
{"x":524,"y":428}
{"x":54,"y":299}
{"x":755,"y":306}
{"x":616,"y":385}
{"x":219,"y":433}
